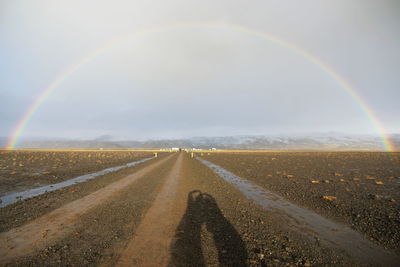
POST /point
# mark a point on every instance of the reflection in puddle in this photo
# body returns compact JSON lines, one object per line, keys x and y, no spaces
{"x":14,"y":197}
{"x":310,"y":223}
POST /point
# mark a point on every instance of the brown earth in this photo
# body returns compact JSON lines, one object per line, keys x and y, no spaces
{"x":171,"y":211}
{"x":360,"y":189}
{"x":22,"y":212}
{"x":151,"y":243}
{"x":22,"y":170}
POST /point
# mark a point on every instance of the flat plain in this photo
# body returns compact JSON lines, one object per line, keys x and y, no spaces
{"x":173,"y":210}
{"x":361,"y":189}
{"x":31,"y":168}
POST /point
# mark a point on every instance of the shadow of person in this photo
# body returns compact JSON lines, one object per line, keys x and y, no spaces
{"x":202,"y":209}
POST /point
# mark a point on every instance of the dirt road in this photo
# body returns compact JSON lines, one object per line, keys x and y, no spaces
{"x":172,"y":211}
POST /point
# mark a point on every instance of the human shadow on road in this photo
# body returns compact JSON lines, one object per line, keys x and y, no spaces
{"x":187,"y":250}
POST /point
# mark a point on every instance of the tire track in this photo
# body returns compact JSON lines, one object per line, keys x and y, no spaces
{"x":151,"y":243}
{"x":33,"y":192}
{"x":310,"y":223}
{"x":36,"y":235}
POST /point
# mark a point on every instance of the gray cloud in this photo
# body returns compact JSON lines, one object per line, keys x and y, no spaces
{"x":198,"y":81}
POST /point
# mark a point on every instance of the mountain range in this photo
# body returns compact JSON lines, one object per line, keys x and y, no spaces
{"x":326,"y":141}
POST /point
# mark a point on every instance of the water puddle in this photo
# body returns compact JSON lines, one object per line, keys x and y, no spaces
{"x":310,"y":223}
{"x":14,"y":197}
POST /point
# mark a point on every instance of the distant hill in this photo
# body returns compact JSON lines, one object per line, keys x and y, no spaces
{"x":328,"y":141}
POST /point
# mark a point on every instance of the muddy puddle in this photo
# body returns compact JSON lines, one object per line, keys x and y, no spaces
{"x":14,"y":197}
{"x":309,"y":223}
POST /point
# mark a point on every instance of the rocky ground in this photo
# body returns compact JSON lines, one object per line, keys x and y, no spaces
{"x":102,"y":231}
{"x":21,"y":170}
{"x":360,"y":189}
{"x":172,"y":211}
{"x":25,"y":211}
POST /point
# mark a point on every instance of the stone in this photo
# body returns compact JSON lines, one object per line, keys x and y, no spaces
{"x":330,"y":198}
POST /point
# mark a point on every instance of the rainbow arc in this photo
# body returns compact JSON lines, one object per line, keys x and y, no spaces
{"x":223,"y":26}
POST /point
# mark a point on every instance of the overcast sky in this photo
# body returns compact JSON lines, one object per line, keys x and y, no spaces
{"x":198,"y":81}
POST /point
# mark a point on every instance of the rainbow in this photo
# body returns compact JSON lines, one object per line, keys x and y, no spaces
{"x":231,"y":27}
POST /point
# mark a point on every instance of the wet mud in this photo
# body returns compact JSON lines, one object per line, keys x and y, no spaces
{"x":309,"y":223}
{"x":60,"y":222}
{"x":181,"y":213}
{"x":21,"y":170}
{"x":358,"y":189}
